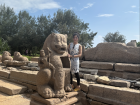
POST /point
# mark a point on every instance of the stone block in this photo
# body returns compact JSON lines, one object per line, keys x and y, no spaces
{"x":5,"y":73}
{"x":97,"y":65}
{"x":89,"y":71}
{"x":11,"y":88}
{"x":120,"y":83}
{"x":33,"y":64}
{"x":34,"y":59}
{"x":103,"y":80}
{"x":84,"y":87}
{"x":127,"y":67}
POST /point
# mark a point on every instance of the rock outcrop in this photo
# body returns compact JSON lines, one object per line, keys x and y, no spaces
{"x":113,"y":52}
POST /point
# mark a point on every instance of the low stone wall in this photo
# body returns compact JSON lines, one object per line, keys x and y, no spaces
{"x":108,"y":95}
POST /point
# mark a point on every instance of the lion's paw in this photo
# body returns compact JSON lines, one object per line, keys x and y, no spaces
{"x":60,"y":93}
{"x":68,"y":88}
{"x":46,"y":92}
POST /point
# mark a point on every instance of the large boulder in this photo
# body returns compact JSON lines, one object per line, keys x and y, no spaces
{"x":83,"y":51}
{"x":114,"y":52}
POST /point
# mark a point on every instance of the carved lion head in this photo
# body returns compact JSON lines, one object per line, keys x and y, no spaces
{"x":59,"y":43}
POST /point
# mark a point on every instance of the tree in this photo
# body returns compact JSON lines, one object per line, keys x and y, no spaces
{"x":4,"y":45}
{"x":114,"y":37}
{"x":67,"y":22}
{"x":7,"y":22}
{"x":138,"y":44}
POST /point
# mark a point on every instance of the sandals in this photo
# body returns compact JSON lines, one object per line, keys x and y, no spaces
{"x":77,"y":89}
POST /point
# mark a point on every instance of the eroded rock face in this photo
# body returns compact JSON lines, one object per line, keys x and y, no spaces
{"x":19,"y":57}
{"x":113,"y":52}
{"x":6,"y":56}
{"x":50,"y":78}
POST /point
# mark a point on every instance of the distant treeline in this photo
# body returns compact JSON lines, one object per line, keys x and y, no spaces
{"x":23,"y":31}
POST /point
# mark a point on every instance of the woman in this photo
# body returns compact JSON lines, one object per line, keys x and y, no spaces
{"x":75,"y":51}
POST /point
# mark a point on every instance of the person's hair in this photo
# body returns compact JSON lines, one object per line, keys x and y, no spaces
{"x":76,"y":34}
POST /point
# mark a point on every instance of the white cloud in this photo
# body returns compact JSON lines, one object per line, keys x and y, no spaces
{"x":133,"y":6}
{"x":131,"y":12}
{"x":105,"y":15}
{"x":31,"y":4}
{"x":87,"y":6}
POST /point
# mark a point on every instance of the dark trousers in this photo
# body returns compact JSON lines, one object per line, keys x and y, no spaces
{"x":77,"y":77}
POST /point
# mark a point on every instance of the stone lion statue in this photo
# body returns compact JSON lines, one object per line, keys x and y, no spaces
{"x":6,"y":56}
{"x":19,"y":57}
{"x":51,"y":77}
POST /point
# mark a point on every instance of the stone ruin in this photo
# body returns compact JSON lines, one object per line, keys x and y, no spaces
{"x":109,"y":75}
{"x":132,"y":43}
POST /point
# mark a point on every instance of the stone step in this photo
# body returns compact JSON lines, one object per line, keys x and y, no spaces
{"x":70,"y":101}
{"x":11,"y":88}
{"x":5,"y":73}
{"x":15,"y":100}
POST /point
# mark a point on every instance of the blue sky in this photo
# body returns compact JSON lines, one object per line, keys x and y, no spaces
{"x":103,"y":16}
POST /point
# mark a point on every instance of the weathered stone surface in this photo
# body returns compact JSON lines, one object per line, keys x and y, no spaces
{"x":84,"y":101}
{"x":103,"y":80}
{"x":34,"y":59}
{"x":82,"y":94}
{"x":15,"y":63}
{"x":84,"y":87}
{"x":35,"y":68}
{"x":90,"y":77}
{"x":93,"y":77}
{"x":25,"y":67}
{"x":113,"y":52}
{"x":83,"y":53}
{"x":96,"y":103}
{"x":137,"y":84}
{"x":125,"y":75}
{"x":89,"y":71}
{"x":26,"y":76}
{"x":68,"y":99}
{"x":120,"y":83}
{"x":97,"y":65}
{"x":5,"y":73}
{"x":11,"y":88}
{"x":86,"y":76}
{"x":90,"y":53}
{"x":30,"y":68}
{"x":114,"y":95}
{"x":15,"y":100}
{"x":33,"y":64}
{"x":127,"y":67}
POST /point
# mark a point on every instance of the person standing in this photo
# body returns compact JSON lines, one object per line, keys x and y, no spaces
{"x":75,"y":51}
